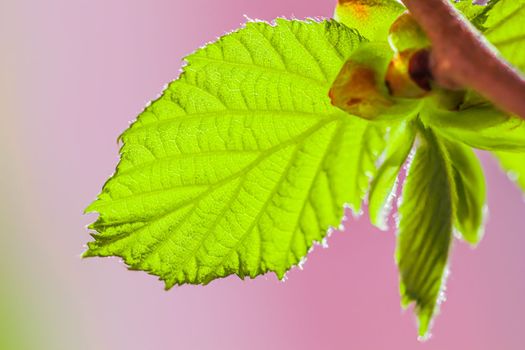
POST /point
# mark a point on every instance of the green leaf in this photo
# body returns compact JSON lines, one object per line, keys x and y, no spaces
{"x":506,"y":31}
{"x":514,"y":165}
{"x":242,"y":163}
{"x":425,"y":228}
{"x":482,"y":127}
{"x":384,"y":183}
{"x":372,"y":18}
{"x":470,"y":191}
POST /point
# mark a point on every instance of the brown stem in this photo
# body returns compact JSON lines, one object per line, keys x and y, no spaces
{"x":461,"y":57}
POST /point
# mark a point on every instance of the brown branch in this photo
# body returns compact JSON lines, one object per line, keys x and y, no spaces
{"x":462,"y":58}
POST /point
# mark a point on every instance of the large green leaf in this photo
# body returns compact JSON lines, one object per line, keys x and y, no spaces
{"x":371,"y":17}
{"x":425,"y":228}
{"x":514,"y":165}
{"x":470,"y":191}
{"x":242,"y":163}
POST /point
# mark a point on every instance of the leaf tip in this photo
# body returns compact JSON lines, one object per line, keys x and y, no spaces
{"x":92,"y":207}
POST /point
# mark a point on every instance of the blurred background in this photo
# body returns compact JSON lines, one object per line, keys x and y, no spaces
{"x":73,"y":74}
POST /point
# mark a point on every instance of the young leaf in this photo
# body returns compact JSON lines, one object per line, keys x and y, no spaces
{"x":481,"y":127}
{"x":242,"y":163}
{"x":425,"y":228}
{"x":470,"y":191}
{"x":514,"y":165}
{"x":360,"y":88}
{"x":372,"y":18}
{"x":405,"y":33}
{"x":383,"y":185}
{"x":407,"y":76}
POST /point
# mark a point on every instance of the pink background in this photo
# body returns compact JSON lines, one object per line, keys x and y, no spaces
{"x":72,"y":75}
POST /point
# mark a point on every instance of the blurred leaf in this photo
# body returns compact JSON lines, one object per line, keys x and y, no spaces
{"x":506,"y":30}
{"x":474,"y":12}
{"x":514,"y":165}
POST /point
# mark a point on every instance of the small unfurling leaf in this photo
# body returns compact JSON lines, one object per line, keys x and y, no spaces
{"x":361,"y":88}
{"x":408,"y":74}
{"x":405,"y":33}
